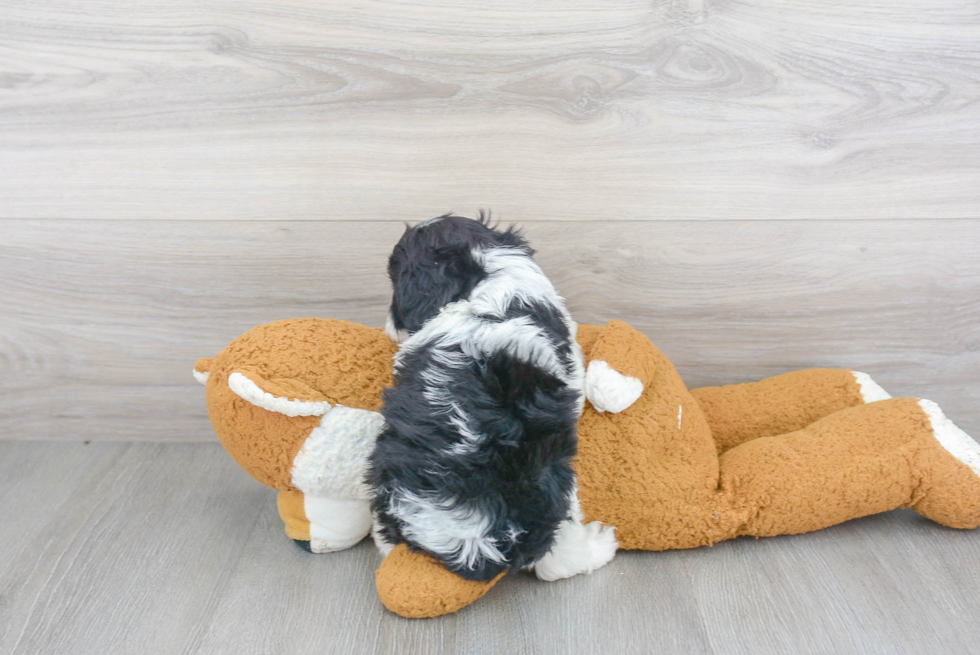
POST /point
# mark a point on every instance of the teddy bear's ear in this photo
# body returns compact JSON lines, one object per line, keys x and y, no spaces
{"x":281,"y":395}
{"x":202,"y":369}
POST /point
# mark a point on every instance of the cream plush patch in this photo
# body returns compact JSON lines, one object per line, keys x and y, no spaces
{"x":579,"y":547}
{"x":248,"y":390}
{"x":609,"y":390}
{"x":334,"y":458}
{"x":336,"y":524}
{"x":956,"y":442}
{"x":870,"y":390}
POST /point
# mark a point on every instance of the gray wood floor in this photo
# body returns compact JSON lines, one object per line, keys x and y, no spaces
{"x":170,"y":548}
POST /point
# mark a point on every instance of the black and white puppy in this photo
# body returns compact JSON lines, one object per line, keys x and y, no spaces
{"x":474,"y":465}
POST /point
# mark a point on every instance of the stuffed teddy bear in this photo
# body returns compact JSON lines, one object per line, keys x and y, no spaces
{"x":295,"y":404}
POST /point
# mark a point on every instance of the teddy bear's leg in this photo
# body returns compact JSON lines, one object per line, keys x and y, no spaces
{"x":951,"y":495}
{"x":324,"y":524}
{"x":293,"y":515}
{"x":415,"y":586}
{"x":738,"y":413}
{"x":856,"y":462}
{"x":331,"y":503}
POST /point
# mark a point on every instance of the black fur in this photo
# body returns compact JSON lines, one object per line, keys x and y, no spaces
{"x":520,"y":477}
{"x":432,"y":265}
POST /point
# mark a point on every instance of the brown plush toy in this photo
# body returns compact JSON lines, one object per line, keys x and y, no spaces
{"x":295,"y":403}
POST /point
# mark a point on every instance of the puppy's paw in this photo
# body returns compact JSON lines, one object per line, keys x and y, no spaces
{"x":578,"y":548}
{"x":609,"y":390}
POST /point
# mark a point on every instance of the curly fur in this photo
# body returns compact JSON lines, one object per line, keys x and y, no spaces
{"x":474,"y":465}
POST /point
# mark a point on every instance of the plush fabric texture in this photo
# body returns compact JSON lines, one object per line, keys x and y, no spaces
{"x":617,"y":345}
{"x":609,"y":390}
{"x":676,"y":469}
{"x":334,"y":458}
{"x":415,"y":586}
{"x":309,"y":360}
{"x":290,"y":505}
{"x":776,"y":405}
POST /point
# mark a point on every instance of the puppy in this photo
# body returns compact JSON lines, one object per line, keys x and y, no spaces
{"x":474,"y":465}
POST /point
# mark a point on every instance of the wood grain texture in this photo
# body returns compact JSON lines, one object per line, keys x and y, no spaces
{"x":386,"y":110}
{"x":170,"y":548}
{"x":102,"y":320}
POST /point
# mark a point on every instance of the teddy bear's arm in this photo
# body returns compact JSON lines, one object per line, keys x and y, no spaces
{"x":620,"y":365}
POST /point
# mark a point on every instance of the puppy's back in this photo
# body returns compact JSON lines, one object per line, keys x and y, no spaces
{"x":474,"y":467}
{"x":475,"y":464}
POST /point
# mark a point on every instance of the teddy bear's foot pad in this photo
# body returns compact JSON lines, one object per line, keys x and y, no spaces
{"x":871,"y":391}
{"x":954,"y":440}
{"x":950,"y":490}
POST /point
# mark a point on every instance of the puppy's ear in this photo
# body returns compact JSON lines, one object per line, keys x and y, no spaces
{"x":422,"y":288}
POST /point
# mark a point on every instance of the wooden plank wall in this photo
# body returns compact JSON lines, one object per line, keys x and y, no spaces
{"x":759,"y":187}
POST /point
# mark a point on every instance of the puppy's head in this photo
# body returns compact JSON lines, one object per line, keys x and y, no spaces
{"x":434,"y":264}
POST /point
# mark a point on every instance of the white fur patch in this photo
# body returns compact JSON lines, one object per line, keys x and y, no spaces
{"x":511,"y":275}
{"x":438,"y":391}
{"x":870,"y":390}
{"x":383,"y":545}
{"x":609,"y":390}
{"x":336,"y":523}
{"x":334,"y":458}
{"x":201,"y":377}
{"x":460,"y":535}
{"x":395,"y":335}
{"x":956,"y":442}
{"x":248,"y":390}
{"x":469,"y":440}
{"x":579,"y":547}
{"x":456,"y":326}
{"x":577,"y":379}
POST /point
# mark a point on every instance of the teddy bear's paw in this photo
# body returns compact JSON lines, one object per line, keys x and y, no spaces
{"x":949,"y":490}
{"x":609,"y":390}
{"x":321,"y":546}
{"x":949,"y":435}
{"x":871,"y":391}
{"x":336,"y":524}
{"x":578,"y":548}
